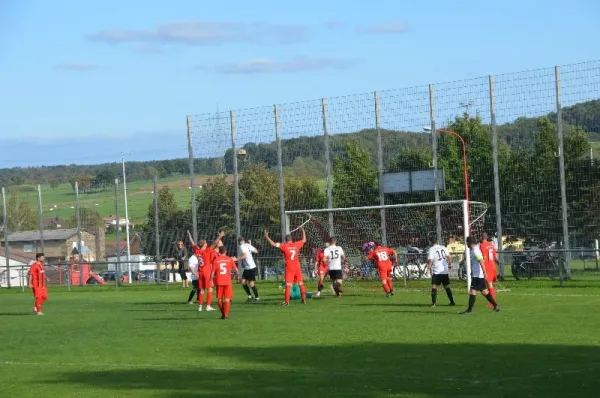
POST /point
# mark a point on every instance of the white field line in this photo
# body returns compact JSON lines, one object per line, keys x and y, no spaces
{"x":499,"y":380}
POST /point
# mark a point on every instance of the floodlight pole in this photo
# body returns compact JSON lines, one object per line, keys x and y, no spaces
{"x":126,"y":221}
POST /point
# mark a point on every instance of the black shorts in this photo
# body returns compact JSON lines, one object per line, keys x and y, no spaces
{"x":478,"y":284}
{"x":336,"y":274}
{"x":195,"y":284}
{"x":440,"y":279}
{"x":249,"y":274}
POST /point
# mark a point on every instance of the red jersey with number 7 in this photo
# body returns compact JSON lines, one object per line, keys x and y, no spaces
{"x":222,"y":266}
{"x":382,"y":255}
{"x":291,"y":253}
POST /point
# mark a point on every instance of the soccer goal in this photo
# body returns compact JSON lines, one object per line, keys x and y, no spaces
{"x":406,"y":228}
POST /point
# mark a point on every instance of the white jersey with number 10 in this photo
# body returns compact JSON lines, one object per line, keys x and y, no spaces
{"x":334,"y":257}
{"x":438,"y":255}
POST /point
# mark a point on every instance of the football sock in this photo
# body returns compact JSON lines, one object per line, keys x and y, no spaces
{"x":449,"y":293}
{"x":200,"y":298}
{"x":336,"y":288}
{"x":192,"y":293}
{"x":227,"y":307}
{"x":246,"y":289}
{"x":491,"y":299}
{"x":38,"y":304}
{"x":320,"y":287}
{"x":255,"y":291}
{"x":433,"y":296}
{"x":493,"y":292}
{"x":389,"y":282}
{"x":221,"y":307}
{"x":386,"y":288}
{"x":209,"y":298}
{"x":303,"y":292}
{"x":287,"y":294}
{"x":471,"y":302}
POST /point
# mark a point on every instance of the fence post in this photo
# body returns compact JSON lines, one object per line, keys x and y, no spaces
{"x":236,"y":178}
{"x":192,"y":179}
{"x":156,"y":221}
{"x":6,"y":248}
{"x":328,"y":166}
{"x":40,"y":217}
{"x":118,"y":232}
{"x":561,"y":166}
{"x":78,"y":220}
{"x":492,"y":85}
{"x":280,"y":173}
{"x":434,"y":146}
{"x":380,"y":169}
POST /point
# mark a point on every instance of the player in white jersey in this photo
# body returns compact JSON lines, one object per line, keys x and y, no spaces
{"x":478,"y":283}
{"x":193,"y":268}
{"x":439,"y":262}
{"x":334,"y":258}
{"x":249,"y":274}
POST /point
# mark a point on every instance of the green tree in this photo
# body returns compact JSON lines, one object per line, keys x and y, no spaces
{"x":355,"y":180}
{"x":215,"y":208}
{"x":21,"y":217}
{"x":89,"y":218}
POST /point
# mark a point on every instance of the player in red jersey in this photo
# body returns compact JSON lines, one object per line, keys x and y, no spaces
{"x":221,"y":275}
{"x":38,"y":282}
{"x":293,"y":270}
{"x":384,"y":257}
{"x":208,"y":254}
{"x":320,"y":268}
{"x":490,"y":257}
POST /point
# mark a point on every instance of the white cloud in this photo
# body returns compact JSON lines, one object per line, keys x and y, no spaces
{"x":386,"y":28}
{"x":199,"y":33}
{"x":81,"y":66}
{"x":298,"y":64}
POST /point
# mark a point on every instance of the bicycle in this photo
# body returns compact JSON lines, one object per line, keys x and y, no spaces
{"x":541,"y":263}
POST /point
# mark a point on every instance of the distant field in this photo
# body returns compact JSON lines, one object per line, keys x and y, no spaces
{"x":60,"y":202}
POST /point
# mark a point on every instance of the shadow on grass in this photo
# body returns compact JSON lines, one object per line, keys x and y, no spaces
{"x":15,"y":313}
{"x":368,"y":370}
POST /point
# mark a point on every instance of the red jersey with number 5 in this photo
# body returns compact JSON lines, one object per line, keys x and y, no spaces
{"x":490,"y":256}
{"x":382,"y":255}
{"x":291,"y":253}
{"x":222,"y":266}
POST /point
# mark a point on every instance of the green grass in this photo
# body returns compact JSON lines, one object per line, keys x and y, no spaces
{"x":141,"y":341}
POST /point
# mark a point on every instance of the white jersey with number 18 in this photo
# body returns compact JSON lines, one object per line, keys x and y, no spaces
{"x":438,"y":255}
{"x":334,"y":257}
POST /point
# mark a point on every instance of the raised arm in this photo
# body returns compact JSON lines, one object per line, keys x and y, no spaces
{"x":216,"y":242}
{"x":270,"y":240}
{"x":303,"y":235}
{"x":191,"y":239}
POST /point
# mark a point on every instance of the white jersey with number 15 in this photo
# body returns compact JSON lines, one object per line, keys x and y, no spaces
{"x":334,"y":257}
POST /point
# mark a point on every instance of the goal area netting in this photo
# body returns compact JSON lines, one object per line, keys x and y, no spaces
{"x":406,"y":228}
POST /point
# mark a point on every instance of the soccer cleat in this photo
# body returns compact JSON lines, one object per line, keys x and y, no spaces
{"x":199,"y":308}
{"x":452,"y":304}
{"x":209,"y":308}
{"x":222,"y":316}
{"x":391,"y":292}
{"x":41,"y":313}
{"x":257,"y":299}
{"x":467,"y":312}
{"x":34,"y":310}
{"x":249,"y":299}
{"x":496,"y":309}
{"x":303,"y":301}
{"x":285,"y":304}
{"x":318,"y":294}
{"x":190,"y":302}
{"x":432,"y":305}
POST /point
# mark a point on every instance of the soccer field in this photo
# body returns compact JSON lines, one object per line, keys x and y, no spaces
{"x":141,"y":341}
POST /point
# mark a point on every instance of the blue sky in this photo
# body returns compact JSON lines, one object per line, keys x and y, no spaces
{"x":81,"y":81}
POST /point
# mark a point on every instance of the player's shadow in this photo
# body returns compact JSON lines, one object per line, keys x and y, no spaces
{"x":389,"y":304}
{"x":361,"y":369}
{"x":15,"y":313}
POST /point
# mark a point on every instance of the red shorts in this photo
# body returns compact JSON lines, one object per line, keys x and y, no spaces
{"x":224,"y":292}
{"x":323,"y":270}
{"x":385,"y":273}
{"x":491,"y":275}
{"x":204,"y":281}
{"x":40,"y":292}
{"x":293,"y":275}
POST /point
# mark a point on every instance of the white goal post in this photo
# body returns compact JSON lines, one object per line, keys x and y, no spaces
{"x":404,"y":224}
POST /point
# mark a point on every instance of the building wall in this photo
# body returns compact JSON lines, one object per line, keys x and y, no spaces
{"x":87,"y":238}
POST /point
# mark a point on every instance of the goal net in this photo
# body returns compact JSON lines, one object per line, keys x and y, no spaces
{"x":406,"y":228}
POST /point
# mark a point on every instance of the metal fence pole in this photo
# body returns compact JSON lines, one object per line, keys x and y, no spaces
{"x":561,"y":166}
{"x":328,"y":166}
{"x":6,"y":248}
{"x":380,"y":169}
{"x":118,"y":232}
{"x":192,"y":179}
{"x":78,"y":220}
{"x":434,"y":147}
{"x":280,"y":172}
{"x":40,"y":217}
{"x":492,"y":85}
{"x":156,"y":222}
{"x":236,"y":178}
